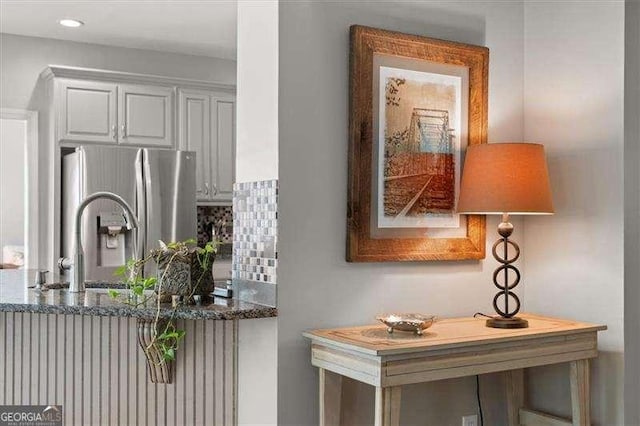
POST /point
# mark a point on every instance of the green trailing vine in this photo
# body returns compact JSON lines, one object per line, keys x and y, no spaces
{"x":166,"y":335}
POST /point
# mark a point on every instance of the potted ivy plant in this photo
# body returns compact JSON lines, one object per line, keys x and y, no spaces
{"x":183,"y":269}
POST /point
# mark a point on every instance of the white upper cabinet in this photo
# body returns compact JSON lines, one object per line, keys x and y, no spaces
{"x":223,"y":146}
{"x":145,"y":116}
{"x":195,"y":135}
{"x":87,"y":112}
{"x":207,"y":126}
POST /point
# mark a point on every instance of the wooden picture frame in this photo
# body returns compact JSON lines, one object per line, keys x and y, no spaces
{"x":370,"y":46}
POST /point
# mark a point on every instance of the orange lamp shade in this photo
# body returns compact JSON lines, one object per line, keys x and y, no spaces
{"x":505,"y":178}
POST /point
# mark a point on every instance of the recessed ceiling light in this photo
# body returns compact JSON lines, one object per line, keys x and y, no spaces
{"x":72,"y":23}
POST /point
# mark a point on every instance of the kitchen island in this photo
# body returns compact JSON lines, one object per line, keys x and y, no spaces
{"x":82,"y":351}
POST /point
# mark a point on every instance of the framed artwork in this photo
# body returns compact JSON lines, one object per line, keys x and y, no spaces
{"x":416,"y":103}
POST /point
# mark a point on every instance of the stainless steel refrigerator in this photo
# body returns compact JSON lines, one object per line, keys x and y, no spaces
{"x":158,"y":184}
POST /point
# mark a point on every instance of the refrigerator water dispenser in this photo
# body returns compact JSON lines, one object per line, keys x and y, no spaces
{"x":112,"y":232}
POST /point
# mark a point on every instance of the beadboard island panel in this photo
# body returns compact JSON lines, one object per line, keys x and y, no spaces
{"x":94,"y":367}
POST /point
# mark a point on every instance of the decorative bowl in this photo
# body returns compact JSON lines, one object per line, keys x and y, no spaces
{"x":407,"y":322}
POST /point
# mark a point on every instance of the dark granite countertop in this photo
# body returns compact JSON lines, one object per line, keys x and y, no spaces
{"x":16,"y":297}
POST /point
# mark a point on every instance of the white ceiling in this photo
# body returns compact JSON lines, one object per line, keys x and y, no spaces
{"x":196,"y":27}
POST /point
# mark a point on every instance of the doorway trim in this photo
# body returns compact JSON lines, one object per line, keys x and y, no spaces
{"x":31,"y":224}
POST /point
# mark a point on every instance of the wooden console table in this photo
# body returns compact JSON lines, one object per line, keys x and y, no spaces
{"x":451,"y":348}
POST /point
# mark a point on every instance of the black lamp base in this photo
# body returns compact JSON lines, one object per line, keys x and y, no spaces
{"x":513,"y":322}
{"x":506,"y":318}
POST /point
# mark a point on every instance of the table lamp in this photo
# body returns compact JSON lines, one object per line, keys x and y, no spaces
{"x":505,"y":178}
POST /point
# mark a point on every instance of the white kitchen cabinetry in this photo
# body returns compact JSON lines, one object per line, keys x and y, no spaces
{"x":108,"y":113}
{"x":195,"y":135}
{"x":223,"y":119}
{"x":87,"y":111}
{"x":145,"y":116}
{"x":207,"y":126}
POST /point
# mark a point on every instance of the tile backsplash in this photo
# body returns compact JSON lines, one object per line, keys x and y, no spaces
{"x":255,"y":231}
{"x":219,"y":216}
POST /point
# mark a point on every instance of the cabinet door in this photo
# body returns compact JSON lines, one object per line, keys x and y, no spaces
{"x":223,"y":113}
{"x":145,"y":116}
{"x":195,"y":135}
{"x":87,"y":111}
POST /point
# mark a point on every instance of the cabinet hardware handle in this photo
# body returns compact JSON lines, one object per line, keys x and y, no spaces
{"x":114,"y":130}
{"x":215,"y":189}
{"x":206,"y":188}
{"x":124,"y":131}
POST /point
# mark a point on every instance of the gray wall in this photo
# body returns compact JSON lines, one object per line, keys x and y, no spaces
{"x":22,"y":59}
{"x":573,"y":261}
{"x":316,"y":287}
{"x":632,"y":212}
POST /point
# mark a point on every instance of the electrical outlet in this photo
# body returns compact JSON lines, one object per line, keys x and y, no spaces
{"x":470,"y":420}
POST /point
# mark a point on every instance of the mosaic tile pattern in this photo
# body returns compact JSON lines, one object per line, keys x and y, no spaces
{"x":219,"y":216}
{"x":255,"y":231}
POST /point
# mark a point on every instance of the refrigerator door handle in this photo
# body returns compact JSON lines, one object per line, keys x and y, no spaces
{"x":152,"y":228}
{"x":141,"y":208}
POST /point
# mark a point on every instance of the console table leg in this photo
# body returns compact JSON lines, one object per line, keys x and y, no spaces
{"x":388,"y":406}
{"x":330,"y":397}
{"x":580,"y":398}
{"x":514,"y":382}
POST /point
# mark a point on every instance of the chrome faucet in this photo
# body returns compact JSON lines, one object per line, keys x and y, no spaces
{"x":76,"y":265}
